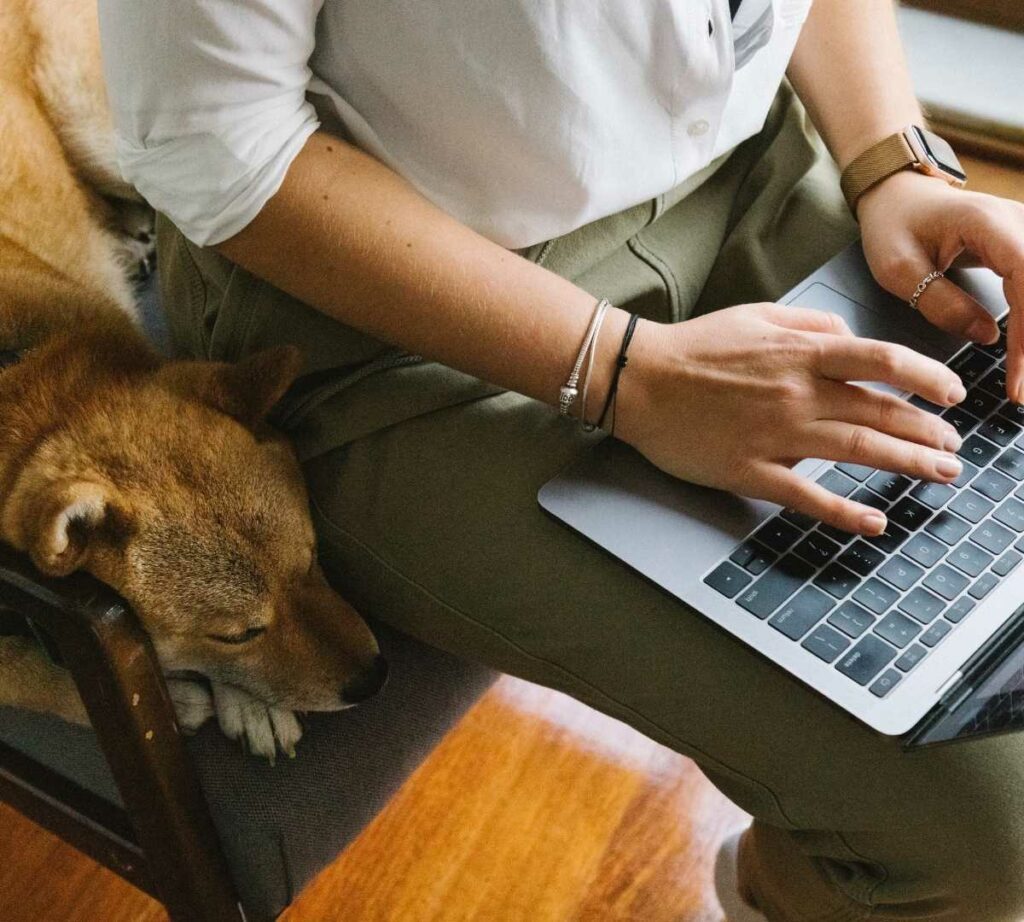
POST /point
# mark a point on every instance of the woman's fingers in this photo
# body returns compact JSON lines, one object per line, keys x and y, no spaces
{"x":779,"y":484}
{"x":852,"y":359}
{"x":850,"y":403}
{"x":837,"y":441}
{"x":804,"y":318}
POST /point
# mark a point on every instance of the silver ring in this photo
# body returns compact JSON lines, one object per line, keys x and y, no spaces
{"x":922,"y":286}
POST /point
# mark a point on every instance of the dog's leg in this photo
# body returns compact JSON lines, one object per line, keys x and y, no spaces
{"x":29,"y":680}
{"x":193,"y":703}
{"x":263,"y":727}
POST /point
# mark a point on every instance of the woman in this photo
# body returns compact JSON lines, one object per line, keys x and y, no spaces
{"x":379,"y":181}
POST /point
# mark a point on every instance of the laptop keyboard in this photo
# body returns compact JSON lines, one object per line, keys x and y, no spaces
{"x":875,"y":608}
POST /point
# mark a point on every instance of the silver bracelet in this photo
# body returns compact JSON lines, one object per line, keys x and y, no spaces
{"x":603,"y":309}
{"x":567,"y":393}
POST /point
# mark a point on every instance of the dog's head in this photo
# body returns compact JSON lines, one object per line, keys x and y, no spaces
{"x":170,"y":488}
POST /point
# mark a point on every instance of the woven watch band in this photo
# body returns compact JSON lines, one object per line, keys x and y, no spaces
{"x":875,"y":164}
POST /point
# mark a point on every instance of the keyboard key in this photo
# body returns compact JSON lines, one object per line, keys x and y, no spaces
{"x":922,"y":606}
{"x":885,"y":683}
{"x":933,"y":495}
{"x":777,"y":534}
{"x":801,"y":612}
{"x":972,"y":506}
{"x":1011,"y":462}
{"x":909,"y":513}
{"x":997,"y":349}
{"x":935,"y":633}
{"x":825,"y":643}
{"x":889,"y":540}
{"x":947,"y":527}
{"x":798,"y":519}
{"x":870,"y":498}
{"x":900,"y":572}
{"x":992,"y":484}
{"x":1006,"y":563}
{"x":977,"y":450}
{"x":836,"y":483}
{"x":836,"y":580}
{"x":994,"y":382}
{"x":969,"y":558}
{"x":875,"y":596}
{"x":925,"y":405}
{"x":983,"y":585}
{"x":946,"y":582}
{"x":836,"y":534}
{"x":924,"y":550}
{"x":851,"y":619}
{"x":971,"y":365}
{"x":727,"y":579}
{"x":960,"y":420}
{"x":999,"y":430}
{"x":859,"y":472}
{"x":979,"y":403}
{"x":898,"y":629}
{"x":861,"y":557}
{"x":1011,"y":514}
{"x":889,"y":486}
{"x":966,"y":475}
{"x":817,"y":549}
{"x":1013,"y":411}
{"x":993,"y":537}
{"x":959,"y":610}
{"x":776,"y":585}
{"x":868,"y":658}
{"x":911,"y":657}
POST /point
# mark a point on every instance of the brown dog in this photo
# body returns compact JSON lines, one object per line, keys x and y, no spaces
{"x":160,"y":478}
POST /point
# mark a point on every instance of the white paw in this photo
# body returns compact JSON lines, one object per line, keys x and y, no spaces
{"x":192,"y":701}
{"x":135,"y":236}
{"x":265,"y":729}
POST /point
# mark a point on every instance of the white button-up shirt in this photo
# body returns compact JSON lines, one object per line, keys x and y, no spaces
{"x":524,"y":119}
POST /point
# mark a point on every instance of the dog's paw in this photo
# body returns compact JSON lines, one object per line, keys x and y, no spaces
{"x":193,"y":703}
{"x":262,"y":727}
{"x":135,"y":237}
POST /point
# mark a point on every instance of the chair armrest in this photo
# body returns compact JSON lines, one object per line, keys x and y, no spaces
{"x":121,"y":684}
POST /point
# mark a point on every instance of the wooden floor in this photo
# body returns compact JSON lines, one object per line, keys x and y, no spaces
{"x":533,"y":809}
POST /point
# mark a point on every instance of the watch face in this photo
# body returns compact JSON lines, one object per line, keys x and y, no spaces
{"x":939,"y":153}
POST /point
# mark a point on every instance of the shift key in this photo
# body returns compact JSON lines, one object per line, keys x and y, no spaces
{"x":866,"y":660}
{"x":776,"y":585}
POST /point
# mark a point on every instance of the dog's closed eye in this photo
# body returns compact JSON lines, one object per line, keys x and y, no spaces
{"x":251,"y":634}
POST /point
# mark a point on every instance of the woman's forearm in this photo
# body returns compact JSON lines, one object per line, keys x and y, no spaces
{"x":347,"y":235}
{"x":850,"y":72}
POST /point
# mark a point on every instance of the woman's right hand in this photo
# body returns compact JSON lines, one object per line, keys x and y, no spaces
{"x":735,"y":398}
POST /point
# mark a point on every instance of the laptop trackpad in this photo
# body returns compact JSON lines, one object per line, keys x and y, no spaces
{"x":888,"y":319}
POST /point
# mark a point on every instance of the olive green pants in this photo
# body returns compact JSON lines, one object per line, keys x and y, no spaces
{"x":424,"y":485}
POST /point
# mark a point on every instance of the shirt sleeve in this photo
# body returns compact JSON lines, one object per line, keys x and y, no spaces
{"x":209,"y":103}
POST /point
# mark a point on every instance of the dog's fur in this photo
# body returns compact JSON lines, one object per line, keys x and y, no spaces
{"x":160,"y":478}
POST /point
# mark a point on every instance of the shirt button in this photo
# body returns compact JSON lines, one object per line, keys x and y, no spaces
{"x":697,"y":128}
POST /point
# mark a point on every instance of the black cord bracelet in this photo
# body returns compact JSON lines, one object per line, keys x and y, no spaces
{"x":620,"y":362}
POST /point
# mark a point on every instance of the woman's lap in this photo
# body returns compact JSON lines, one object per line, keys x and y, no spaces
{"x":429,"y":520}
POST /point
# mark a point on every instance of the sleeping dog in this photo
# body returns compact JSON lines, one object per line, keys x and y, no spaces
{"x":160,"y":478}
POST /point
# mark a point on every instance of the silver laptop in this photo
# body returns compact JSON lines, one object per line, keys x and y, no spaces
{"x":917,"y":633}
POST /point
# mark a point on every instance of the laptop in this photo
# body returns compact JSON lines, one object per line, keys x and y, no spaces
{"x":918,"y":633}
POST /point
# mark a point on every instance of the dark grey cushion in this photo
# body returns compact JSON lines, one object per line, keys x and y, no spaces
{"x":280,"y":825}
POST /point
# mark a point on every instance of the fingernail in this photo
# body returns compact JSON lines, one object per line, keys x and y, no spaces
{"x":946,"y":466}
{"x":952,"y":441}
{"x":873,"y":523}
{"x":983,"y":332}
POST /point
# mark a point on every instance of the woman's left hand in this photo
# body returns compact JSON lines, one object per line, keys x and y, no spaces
{"x":912,"y":224}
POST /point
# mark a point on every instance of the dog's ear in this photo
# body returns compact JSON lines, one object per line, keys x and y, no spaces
{"x":64,"y":526}
{"x":246,"y":390}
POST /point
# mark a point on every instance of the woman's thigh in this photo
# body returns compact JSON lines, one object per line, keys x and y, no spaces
{"x":434,"y":526}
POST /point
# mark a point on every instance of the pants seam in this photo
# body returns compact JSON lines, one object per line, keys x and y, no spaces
{"x":558,"y":667}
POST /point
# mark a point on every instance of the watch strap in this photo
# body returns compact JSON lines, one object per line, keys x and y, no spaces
{"x":875,"y":164}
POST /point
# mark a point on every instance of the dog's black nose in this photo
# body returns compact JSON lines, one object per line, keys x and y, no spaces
{"x":367,"y":683}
